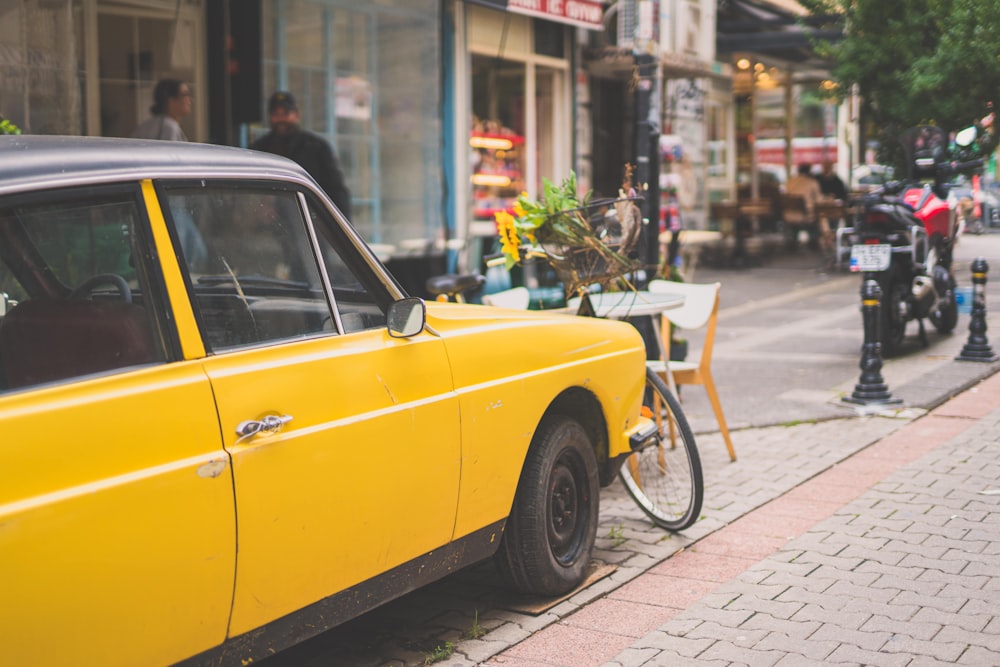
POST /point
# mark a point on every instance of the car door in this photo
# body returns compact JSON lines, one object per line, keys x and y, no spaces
{"x":345,"y":441}
{"x":117,"y":518}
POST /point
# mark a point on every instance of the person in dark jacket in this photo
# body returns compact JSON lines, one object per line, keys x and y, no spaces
{"x":830,"y":184}
{"x":311,"y":151}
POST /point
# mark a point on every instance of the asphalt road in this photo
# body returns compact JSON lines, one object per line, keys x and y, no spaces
{"x":788,"y":344}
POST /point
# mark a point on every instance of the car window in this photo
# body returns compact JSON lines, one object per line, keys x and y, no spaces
{"x":74,"y":296}
{"x":359,"y":298}
{"x":252,"y":267}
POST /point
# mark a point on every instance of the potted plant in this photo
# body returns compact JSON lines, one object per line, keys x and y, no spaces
{"x":559,"y":227}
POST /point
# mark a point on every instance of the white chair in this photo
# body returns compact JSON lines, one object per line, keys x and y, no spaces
{"x":700,"y":309}
{"x":516,"y":298}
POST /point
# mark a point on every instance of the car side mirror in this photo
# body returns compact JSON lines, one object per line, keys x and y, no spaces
{"x":406,"y":317}
{"x":966,"y":137}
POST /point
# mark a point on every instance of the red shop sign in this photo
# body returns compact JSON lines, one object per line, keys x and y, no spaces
{"x":583,"y":13}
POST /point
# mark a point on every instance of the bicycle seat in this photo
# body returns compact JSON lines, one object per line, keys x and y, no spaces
{"x":454,"y":283}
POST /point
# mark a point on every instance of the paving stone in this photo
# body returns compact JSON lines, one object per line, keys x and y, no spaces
{"x":857,"y":576}
{"x":621,"y":617}
{"x":868,"y":640}
{"x":845,"y":619}
{"x":939,"y":648}
{"x":788,"y":575}
{"x":944,"y":565}
{"x":858,"y":656}
{"x":816,"y":596}
{"x":796,"y":660}
{"x":937,"y":603}
{"x":800,"y":629}
{"x":983,"y":639}
{"x":664,"y":591}
{"x":670,"y":658}
{"x":777,"y":609}
{"x":707,"y":613}
{"x":734,"y":654}
{"x":976,"y":596}
{"x":976,"y":655}
{"x":633,"y":657}
{"x":893,"y":610}
{"x":707,"y":567}
{"x":812,"y":648}
{"x":910,"y":628}
{"x":680,"y":645}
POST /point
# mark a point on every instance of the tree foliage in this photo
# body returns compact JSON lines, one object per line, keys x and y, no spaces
{"x":916,"y":61}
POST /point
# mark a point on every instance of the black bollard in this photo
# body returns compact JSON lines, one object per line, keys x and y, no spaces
{"x":977,"y":347}
{"x":871,"y":389}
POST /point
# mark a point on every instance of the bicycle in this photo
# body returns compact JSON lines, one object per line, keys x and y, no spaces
{"x":664,"y":478}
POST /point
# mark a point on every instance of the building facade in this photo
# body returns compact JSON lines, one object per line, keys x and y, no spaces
{"x":442,"y":111}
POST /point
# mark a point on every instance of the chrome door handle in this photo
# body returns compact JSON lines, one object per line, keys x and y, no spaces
{"x":269,"y":424}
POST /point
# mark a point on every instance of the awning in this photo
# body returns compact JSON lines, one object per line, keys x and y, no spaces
{"x":783,"y":30}
{"x":581,"y":13}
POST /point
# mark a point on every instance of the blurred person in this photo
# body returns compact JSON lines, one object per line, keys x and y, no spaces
{"x":171,"y":103}
{"x":834,"y":188}
{"x":804,"y":185}
{"x":830,"y":184}
{"x":311,"y":151}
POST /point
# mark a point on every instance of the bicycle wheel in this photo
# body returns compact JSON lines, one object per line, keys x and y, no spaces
{"x":665,"y":479}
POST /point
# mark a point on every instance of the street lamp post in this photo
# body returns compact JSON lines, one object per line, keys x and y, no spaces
{"x":646,"y":51}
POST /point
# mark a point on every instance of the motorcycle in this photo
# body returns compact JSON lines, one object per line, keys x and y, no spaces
{"x":903,"y":237}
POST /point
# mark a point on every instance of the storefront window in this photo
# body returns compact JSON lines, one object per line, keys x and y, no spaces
{"x":41,"y":66}
{"x":497,"y":139}
{"x":718,"y":160}
{"x":771,"y":132}
{"x":143,"y":50}
{"x":367,"y":77}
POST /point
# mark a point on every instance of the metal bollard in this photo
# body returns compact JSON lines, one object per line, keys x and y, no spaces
{"x":977,"y":347}
{"x":871,"y":389}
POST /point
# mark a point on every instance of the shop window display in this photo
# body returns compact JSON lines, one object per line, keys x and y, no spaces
{"x":497,"y":174}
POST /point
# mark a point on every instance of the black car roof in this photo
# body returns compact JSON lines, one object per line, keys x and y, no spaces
{"x":30,"y":162}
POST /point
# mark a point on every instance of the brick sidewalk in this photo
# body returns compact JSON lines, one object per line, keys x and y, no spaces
{"x":885,"y":558}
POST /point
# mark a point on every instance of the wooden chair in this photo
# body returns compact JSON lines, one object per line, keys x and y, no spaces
{"x":795,"y":216}
{"x":700,"y":309}
{"x":724,"y":215}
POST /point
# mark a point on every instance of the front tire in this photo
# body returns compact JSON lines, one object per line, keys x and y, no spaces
{"x":665,"y":479}
{"x":550,"y":534}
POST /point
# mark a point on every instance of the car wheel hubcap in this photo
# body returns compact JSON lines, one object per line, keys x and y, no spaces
{"x":564,"y":512}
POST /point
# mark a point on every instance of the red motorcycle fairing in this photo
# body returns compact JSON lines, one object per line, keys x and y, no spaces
{"x":935,"y":213}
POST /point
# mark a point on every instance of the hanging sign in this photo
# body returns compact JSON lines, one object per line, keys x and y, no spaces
{"x":583,"y":13}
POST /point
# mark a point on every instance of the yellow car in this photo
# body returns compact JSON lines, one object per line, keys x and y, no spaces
{"x":225,"y":427}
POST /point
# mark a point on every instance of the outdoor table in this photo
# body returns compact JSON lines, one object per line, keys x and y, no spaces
{"x":635,"y":303}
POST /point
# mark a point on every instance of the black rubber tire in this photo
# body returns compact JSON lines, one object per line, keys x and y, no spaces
{"x":891,"y":327}
{"x":945,"y":319}
{"x":549,"y":538}
{"x":666,"y":482}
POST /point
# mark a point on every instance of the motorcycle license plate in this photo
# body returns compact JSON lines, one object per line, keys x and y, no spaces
{"x":871,"y":257}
